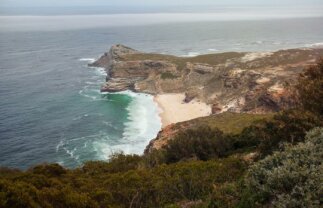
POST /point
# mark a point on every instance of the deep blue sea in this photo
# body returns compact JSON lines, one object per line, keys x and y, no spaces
{"x":51,"y":108}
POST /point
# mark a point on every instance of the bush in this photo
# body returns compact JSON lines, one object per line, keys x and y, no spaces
{"x":287,"y":126}
{"x":50,"y":170}
{"x":310,"y":88}
{"x":17,"y":194}
{"x":156,"y":187}
{"x":202,"y":143}
{"x":226,"y":195}
{"x":154,"y":158}
{"x":117,"y":163}
{"x":291,"y":178}
{"x":65,"y":197}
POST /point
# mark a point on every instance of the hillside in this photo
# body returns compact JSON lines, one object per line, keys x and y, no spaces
{"x":236,"y":82}
{"x":228,"y":122}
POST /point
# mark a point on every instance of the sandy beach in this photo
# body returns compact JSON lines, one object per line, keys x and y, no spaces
{"x":174,"y":109}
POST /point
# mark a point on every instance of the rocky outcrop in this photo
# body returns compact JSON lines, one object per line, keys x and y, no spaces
{"x":237,"y":82}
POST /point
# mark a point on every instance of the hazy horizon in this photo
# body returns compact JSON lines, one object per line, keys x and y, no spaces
{"x":61,"y":7}
{"x":36,"y":3}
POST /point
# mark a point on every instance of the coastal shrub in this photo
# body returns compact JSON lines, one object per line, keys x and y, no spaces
{"x":17,"y":194}
{"x":250,"y":137}
{"x":141,"y":187}
{"x":65,"y":197}
{"x":50,"y":170}
{"x":310,"y":88}
{"x":154,"y":158}
{"x":288,"y":126}
{"x":118,"y":162}
{"x":292,"y":177}
{"x":226,"y":195}
{"x":167,"y":184}
{"x":202,"y":143}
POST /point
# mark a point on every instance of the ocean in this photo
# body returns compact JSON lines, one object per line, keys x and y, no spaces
{"x":51,"y":108}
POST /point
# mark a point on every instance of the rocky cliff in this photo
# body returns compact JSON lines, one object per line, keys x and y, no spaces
{"x":236,"y":82}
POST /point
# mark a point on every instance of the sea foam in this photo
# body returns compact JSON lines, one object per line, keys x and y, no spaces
{"x":142,"y":125}
{"x":315,"y":45}
{"x":191,"y":54}
{"x":89,"y":60}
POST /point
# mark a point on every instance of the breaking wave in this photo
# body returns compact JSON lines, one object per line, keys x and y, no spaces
{"x":142,"y":125}
{"x":88,"y":60}
{"x":129,"y":134}
{"x":191,"y":54}
{"x":315,"y":45}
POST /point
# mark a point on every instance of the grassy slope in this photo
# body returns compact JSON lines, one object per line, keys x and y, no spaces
{"x":227,"y":122}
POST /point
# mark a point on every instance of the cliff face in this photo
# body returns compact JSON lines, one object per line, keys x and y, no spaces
{"x":236,"y":82}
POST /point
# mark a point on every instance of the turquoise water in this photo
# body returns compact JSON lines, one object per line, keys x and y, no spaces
{"x":51,"y":109}
{"x":120,"y":122}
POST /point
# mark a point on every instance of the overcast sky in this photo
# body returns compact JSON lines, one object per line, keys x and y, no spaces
{"x":45,"y":3}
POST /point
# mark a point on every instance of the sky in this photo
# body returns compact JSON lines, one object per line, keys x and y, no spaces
{"x":127,"y":3}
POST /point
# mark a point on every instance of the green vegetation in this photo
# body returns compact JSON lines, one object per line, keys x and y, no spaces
{"x":168,"y":75}
{"x":310,"y":87}
{"x":292,"y":177}
{"x":99,"y":184}
{"x":205,"y":165}
{"x":287,"y":126}
{"x":228,"y":122}
{"x":202,"y":143}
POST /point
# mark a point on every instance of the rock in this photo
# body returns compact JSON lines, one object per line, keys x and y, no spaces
{"x":162,"y":138}
{"x":115,"y":53}
{"x":232,"y":83}
{"x":188,"y":97}
{"x":216,"y":108}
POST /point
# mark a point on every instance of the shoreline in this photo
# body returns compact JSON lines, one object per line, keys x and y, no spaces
{"x":173,"y":109}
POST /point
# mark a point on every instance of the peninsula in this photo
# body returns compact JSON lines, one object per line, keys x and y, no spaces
{"x":255,"y":82}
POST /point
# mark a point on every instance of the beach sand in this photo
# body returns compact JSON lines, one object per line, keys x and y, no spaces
{"x":174,"y":109}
